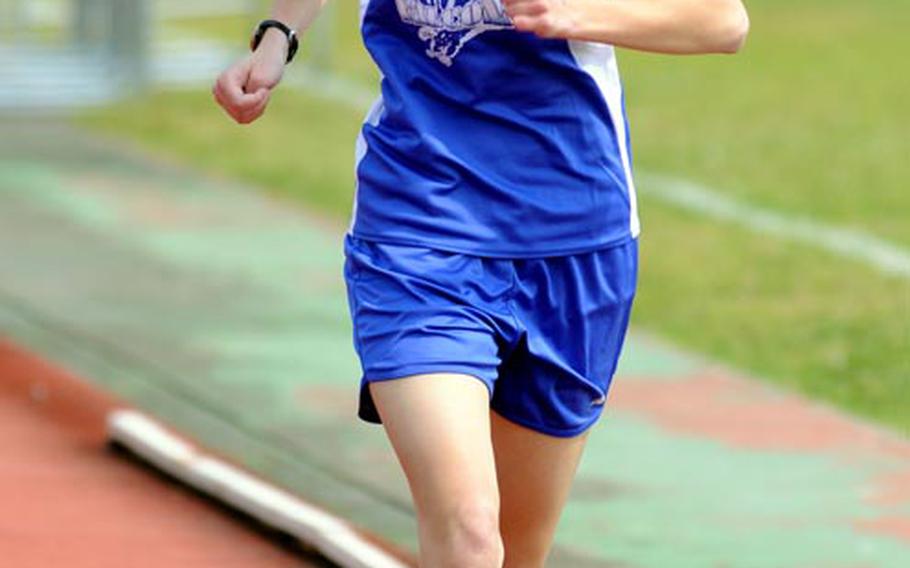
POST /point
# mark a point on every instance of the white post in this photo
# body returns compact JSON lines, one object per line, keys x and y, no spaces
{"x":89,"y":20}
{"x":129,"y":40}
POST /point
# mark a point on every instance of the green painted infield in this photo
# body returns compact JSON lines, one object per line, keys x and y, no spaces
{"x":223,"y":312}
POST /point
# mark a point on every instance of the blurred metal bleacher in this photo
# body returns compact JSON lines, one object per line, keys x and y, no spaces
{"x":57,"y":55}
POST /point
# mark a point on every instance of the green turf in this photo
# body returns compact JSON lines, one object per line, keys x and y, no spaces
{"x":830,"y":327}
{"x":212,"y":27}
{"x":302,"y":148}
{"x":808,"y":120}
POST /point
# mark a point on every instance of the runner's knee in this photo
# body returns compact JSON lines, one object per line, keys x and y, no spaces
{"x":470,"y":532}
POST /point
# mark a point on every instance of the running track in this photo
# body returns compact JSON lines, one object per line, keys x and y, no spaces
{"x":221,"y":312}
{"x":70,"y":501}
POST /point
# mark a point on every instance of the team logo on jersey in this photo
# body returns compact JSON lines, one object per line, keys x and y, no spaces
{"x":447,"y":25}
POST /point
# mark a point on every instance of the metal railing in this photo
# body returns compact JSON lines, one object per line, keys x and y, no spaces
{"x":62,"y":54}
{"x":59,"y":54}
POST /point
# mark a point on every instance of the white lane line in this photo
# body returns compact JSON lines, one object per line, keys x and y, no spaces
{"x":334,"y":538}
{"x":873,"y":251}
{"x":878,"y":253}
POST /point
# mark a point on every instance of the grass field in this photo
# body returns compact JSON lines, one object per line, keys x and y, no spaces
{"x":810,"y":119}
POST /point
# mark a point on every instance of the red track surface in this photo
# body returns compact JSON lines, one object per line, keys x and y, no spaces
{"x":65,"y":500}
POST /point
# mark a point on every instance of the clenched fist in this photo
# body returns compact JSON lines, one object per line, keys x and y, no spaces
{"x":244,"y":88}
{"x":545,"y":18}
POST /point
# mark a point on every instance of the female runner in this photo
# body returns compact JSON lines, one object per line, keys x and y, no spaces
{"x":491,"y":260}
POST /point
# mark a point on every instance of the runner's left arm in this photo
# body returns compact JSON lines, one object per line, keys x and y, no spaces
{"x":663,"y":26}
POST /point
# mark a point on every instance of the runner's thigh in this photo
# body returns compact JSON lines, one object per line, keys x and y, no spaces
{"x":535,"y":473}
{"x":439,"y":426}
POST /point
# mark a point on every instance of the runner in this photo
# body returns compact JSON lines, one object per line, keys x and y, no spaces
{"x":491,"y":261}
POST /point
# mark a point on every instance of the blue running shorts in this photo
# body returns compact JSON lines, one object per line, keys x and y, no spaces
{"x":543,"y":334}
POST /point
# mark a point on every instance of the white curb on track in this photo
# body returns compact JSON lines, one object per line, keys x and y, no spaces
{"x":275,"y":508}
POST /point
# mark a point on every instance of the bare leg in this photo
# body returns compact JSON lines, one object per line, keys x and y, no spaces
{"x":535,"y":473}
{"x":439,"y":426}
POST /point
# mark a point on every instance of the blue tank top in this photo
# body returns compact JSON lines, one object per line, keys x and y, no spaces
{"x":490,"y":141}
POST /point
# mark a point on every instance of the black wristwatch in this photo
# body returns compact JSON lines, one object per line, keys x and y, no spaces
{"x":264,"y":26}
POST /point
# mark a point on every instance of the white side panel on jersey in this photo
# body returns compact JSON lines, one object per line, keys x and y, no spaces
{"x":360,"y":147}
{"x":599,"y":61}
{"x":360,"y":150}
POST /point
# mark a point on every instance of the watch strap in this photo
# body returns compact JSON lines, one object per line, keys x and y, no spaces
{"x":291,"y":35}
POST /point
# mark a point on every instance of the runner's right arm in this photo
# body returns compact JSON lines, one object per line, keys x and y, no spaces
{"x":244,"y":88}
